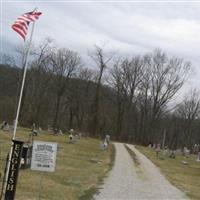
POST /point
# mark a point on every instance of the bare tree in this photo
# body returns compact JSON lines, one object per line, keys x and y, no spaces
{"x":64,"y":65}
{"x":117,"y":81}
{"x":189,"y":111}
{"x":133,"y":104}
{"x":125,"y":78}
{"x":132,"y":74}
{"x":39,"y":80}
{"x":79,"y":98}
{"x":162,"y":79}
{"x":101,"y":60}
{"x":167,"y":77}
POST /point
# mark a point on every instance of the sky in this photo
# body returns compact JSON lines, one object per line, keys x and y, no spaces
{"x":125,"y":27}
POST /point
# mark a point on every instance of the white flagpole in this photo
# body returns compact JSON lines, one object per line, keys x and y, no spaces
{"x":19,"y":102}
{"x":23,"y":81}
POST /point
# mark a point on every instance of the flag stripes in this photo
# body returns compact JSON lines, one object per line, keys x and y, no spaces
{"x":22,"y":23}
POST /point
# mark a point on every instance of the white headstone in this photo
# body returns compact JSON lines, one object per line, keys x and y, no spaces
{"x":186,"y":152}
{"x":198,"y":157}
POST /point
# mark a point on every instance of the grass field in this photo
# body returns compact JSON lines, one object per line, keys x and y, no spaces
{"x":77,"y":176}
{"x":184,"y":177}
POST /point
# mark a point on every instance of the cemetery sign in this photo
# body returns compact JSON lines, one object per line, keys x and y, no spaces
{"x":13,"y":170}
{"x":44,"y":156}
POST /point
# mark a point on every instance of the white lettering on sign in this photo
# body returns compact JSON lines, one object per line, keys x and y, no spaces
{"x":44,"y":156}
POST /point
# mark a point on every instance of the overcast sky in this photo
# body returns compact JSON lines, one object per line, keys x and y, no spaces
{"x":127,"y":28}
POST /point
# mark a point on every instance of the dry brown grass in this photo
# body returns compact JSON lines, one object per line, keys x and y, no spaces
{"x":75,"y":174}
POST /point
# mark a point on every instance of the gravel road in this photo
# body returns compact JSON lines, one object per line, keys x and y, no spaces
{"x":126,"y":181}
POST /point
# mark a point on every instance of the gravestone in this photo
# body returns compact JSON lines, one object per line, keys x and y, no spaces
{"x":166,"y":152}
{"x":172,"y":154}
{"x":39,"y":129}
{"x":76,"y":138}
{"x":198,"y":157}
{"x":157,"y":150}
{"x":49,"y":129}
{"x":71,"y":139}
{"x":60,"y":132}
{"x":5,"y":126}
{"x":178,"y":152}
{"x":34,"y":132}
{"x":186,"y":152}
{"x":107,"y":139}
{"x":104,"y":145}
{"x":80,"y":135}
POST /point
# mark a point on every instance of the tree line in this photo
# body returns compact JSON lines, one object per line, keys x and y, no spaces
{"x":128,"y":98}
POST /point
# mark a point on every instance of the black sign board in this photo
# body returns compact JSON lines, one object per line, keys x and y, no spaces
{"x":13,"y":170}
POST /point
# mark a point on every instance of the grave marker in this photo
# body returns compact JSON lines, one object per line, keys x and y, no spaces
{"x":198,"y":157}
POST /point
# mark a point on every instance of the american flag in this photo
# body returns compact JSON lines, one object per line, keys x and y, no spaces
{"x":22,"y":23}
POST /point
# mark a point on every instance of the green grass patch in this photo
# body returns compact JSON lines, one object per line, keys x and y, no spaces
{"x":184,"y":177}
{"x":75,"y":173}
{"x":89,"y":194}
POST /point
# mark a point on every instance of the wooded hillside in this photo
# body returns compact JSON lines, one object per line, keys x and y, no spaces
{"x":127,"y":98}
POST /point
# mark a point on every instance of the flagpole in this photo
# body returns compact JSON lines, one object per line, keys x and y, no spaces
{"x":23,"y":81}
{"x":20,"y":99}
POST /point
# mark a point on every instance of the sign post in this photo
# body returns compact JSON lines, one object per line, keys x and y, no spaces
{"x":43,"y":159}
{"x":13,"y":170}
{"x":40,"y":185}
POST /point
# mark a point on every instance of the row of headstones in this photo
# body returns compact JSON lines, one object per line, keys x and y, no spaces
{"x":6,"y":127}
{"x":35,"y":131}
{"x":172,"y":153}
{"x":55,"y":131}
